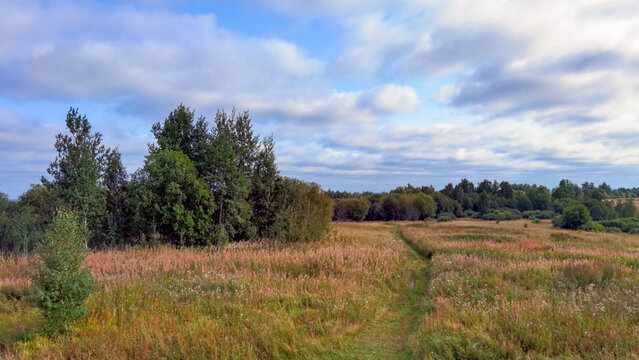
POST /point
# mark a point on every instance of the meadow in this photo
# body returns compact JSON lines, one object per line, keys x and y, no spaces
{"x":465,"y":289}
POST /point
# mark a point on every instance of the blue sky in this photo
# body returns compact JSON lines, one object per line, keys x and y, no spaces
{"x":358,"y":94}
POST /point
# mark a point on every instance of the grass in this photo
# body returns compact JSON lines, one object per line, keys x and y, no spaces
{"x":245,"y":301}
{"x":465,"y":289}
{"x":544,"y":294}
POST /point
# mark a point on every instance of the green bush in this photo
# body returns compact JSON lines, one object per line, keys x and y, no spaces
{"x":445,"y":217}
{"x":502,"y":214}
{"x":305,"y":214}
{"x":538,"y":214}
{"x":350,"y":209}
{"x":574,"y":217}
{"x":627,"y":225}
{"x":59,"y":283}
{"x":472,"y":214}
{"x":593,"y":226}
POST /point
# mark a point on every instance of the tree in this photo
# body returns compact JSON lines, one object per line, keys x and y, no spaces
{"x":539,"y":197}
{"x":176,"y":133}
{"x":351,"y":209}
{"x":168,"y":197}
{"x":446,"y":204}
{"x":505,"y":190}
{"x":599,"y":210}
{"x":115,"y":181}
{"x":576,"y":216}
{"x":521,"y":201}
{"x":78,"y":171}
{"x":484,"y":203}
{"x":229,"y":183}
{"x":467,"y":186}
{"x":60,"y":284}
{"x":625,"y":209}
{"x":263,"y":197}
{"x":566,"y":189}
{"x":305,"y":211}
{"x":485,"y":186}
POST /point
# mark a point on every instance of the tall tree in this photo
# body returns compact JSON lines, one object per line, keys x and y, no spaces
{"x":175,"y":132}
{"x":263,"y":197}
{"x":229,"y":182}
{"x":76,"y":171}
{"x":114,"y":179}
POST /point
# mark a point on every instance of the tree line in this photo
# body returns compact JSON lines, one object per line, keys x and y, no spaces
{"x":201,"y":184}
{"x":598,"y":207}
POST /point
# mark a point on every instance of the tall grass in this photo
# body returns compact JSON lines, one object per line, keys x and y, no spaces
{"x":543,"y":294}
{"x":244,"y":301}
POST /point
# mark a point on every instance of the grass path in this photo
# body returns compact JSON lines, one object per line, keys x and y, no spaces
{"x":388,"y":337}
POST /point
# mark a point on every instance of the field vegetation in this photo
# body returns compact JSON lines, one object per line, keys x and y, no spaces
{"x":505,"y":291}
{"x":462,"y":289}
{"x":262,"y":300}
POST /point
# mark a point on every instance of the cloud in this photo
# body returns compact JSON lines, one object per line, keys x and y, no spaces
{"x":420,"y":89}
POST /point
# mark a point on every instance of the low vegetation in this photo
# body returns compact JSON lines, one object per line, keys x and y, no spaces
{"x":244,"y":301}
{"x":505,"y":291}
{"x":462,"y":289}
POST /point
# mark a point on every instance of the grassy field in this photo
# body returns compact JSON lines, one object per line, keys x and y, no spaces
{"x":451,"y":290}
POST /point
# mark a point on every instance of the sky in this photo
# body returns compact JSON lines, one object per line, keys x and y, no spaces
{"x":358,"y":94}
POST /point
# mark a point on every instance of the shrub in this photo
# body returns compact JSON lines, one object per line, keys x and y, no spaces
{"x":60,"y":284}
{"x":351,"y":209}
{"x":472,"y":214}
{"x":593,"y":226}
{"x":305,"y":214}
{"x":445,"y":217}
{"x":574,"y":217}
{"x":502,"y":214}
{"x":538,"y":214}
{"x":627,"y":225}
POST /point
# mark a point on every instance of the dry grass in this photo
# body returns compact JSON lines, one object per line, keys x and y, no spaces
{"x":546,"y":293}
{"x":496,"y":291}
{"x":245,"y":301}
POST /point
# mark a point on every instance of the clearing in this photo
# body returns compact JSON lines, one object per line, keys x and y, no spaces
{"x":465,"y":289}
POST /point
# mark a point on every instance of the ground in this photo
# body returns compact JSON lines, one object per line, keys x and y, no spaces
{"x":465,"y":289}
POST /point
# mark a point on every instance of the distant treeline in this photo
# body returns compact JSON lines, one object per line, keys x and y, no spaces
{"x":201,"y":184}
{"x":494,"y":201}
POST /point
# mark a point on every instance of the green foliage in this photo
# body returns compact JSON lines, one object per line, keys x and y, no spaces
{"x":176,"y":133}
{"x":566,"y":189}
{"x":350,"y":209}
{"x":168,"y":197}
{"x":521,"y":201}
{"x":502,"y":214}
{"x":627,"y":225}
{"x":60,"y":284}
{"x":445,"y":217}
{"x":574,"y":217}
{"x":538,"y":214}
{"x":78,"y":174}
{"x":599,"y":210}
{"x":447,"y":205}
{"x":593,"y":226}
{"x":305,"y":213}
{"x":625,"y":209}
{"x":226,"y":174}
{"x":539,"y":197}
{"x":265,"y":180}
